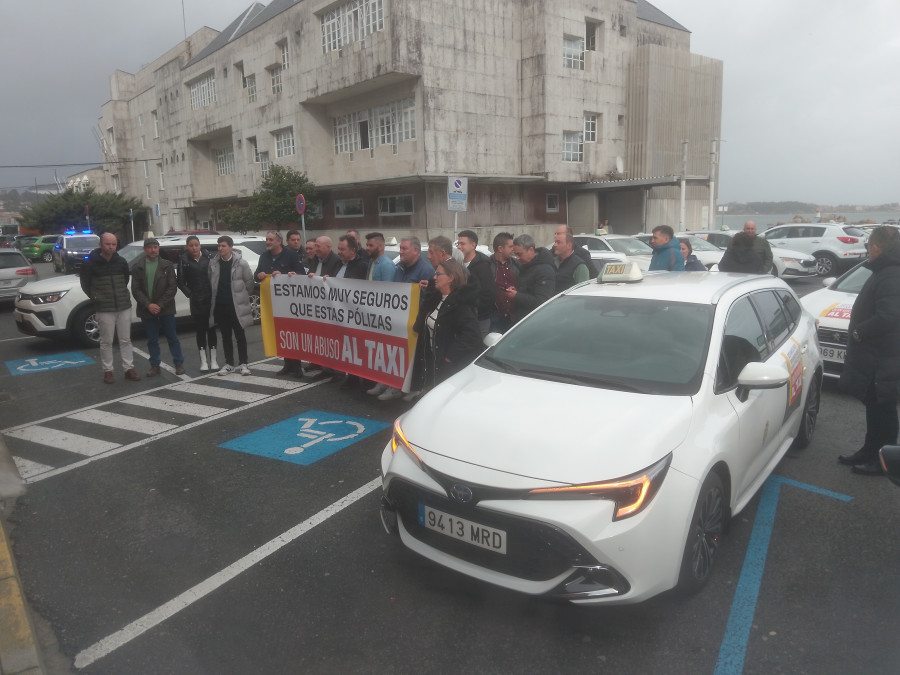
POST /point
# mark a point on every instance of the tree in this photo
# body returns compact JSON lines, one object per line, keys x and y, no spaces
{"x":273,"y":205}
{"x":108,"y":213}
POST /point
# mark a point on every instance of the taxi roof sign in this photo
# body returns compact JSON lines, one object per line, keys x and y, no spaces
{"x":620,"y":272}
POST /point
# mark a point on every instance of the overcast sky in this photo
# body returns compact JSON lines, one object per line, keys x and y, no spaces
{"x":811,"y":96}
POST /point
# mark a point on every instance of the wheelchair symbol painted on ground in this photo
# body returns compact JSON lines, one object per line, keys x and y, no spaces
{"x":307,"y":439}
{"x":40,"y":364}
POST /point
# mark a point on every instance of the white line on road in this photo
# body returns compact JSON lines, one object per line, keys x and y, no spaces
{"x":169,"y":405}
{"x":219,"y":392}
{"x":27,"y":468}
{"x":266,"y":381}
{"x":140,"y":626}
{"x":64,"y":440}
{"x":117,"y":421}
{"x":162,"y":364}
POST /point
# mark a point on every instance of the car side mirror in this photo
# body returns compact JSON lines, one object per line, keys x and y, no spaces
{"x":890,"y":462}
{"x":828,"y":281}
{"x":757,"y":375}
{"x":491,"y":339}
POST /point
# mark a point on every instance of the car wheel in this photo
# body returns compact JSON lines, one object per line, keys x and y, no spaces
{"x":826,"y":264}
{"x":46,"y":256}
{"x":810,"y":414}
{"x":86,"y":328}
{"x":255,"y":310}
{"x":707,"y":526}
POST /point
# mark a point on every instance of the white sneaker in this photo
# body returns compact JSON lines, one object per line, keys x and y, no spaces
{"x":377,"y":389}
{"x":390,"y":394}
{"x":412,"y":396}
{"x":243,"y":369}
{"x":226,"y":369}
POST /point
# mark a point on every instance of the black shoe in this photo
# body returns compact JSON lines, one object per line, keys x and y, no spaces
{"x":285,"y":370}
{"x":861,"y":456}
{"x":868,"y":469}
{"x":350,"y":381}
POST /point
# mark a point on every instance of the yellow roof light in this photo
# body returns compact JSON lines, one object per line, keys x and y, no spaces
{"x":620,"y":272}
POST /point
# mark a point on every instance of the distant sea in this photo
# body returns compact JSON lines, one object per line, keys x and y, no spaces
{"x":735,"y":221}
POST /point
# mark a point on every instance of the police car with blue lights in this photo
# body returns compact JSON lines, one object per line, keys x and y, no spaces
{"x":596,"y":451}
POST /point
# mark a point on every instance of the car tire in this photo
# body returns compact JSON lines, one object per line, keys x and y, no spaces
{"x":826,"y":264}
{"x":85,"y":328}
{"x":46,"y":256}
{"x":810,"y":414}
{"x":704,"y":534}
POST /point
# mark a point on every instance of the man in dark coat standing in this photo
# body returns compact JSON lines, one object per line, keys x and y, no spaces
{"x":537,"y":276}
{"x":872,"y":365}
{"x":154,"y":285}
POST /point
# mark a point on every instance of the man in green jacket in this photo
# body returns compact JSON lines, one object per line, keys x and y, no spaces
{"x":104,"y":279}
{"x":154,"y":287}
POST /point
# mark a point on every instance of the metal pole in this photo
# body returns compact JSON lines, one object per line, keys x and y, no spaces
{"x":713,"y":160}
{"x":684,"y":145}
{"x":303,"y":226}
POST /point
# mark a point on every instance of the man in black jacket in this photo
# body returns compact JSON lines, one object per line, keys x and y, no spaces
{"x":537,"y":276}
{"x":104,"y":279}
{"x":154,"y":287}
{"x":479,"y":266}
{"x":872,"y":365}
{"x":326,"y":263}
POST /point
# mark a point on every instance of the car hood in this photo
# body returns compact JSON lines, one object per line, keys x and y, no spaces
{"x":545,"y":430}
{"x":788,"y":253}
{"x":52,"y":284}
{"x":830,"y":308}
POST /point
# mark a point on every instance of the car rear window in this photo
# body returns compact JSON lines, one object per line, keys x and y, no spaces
{"x":89,"y":241}
{"x":12,"y":260}
{"x":854,"y":232}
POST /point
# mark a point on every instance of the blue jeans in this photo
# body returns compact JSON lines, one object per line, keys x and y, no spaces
{"x":152,"y":326}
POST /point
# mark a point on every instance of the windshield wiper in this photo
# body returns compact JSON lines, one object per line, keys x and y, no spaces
{"x":505,"y":366}
{"x":581,"y":379}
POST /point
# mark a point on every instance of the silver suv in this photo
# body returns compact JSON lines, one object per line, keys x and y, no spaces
{"x":835,"y":246}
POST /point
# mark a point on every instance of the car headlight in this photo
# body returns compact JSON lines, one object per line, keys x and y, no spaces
{"x":791,"y":260}
{"x":631,"y":494}
{"x":47,"y":298}
{"x":398,"y":440}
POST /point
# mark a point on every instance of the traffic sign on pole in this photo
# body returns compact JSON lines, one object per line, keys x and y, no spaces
{"x":457,"y":193}
{"x":300,"y":203}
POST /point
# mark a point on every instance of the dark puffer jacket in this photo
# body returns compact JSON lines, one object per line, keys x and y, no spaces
{"x":106,"y":282}
{"x":536,"y":283}
{"x":193,"y":280}
{"x":876,"y":318}
{"x":457,"y":338}
{"x":480,"y":269}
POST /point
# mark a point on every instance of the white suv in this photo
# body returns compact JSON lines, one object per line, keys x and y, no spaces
{"x":58,"y":308}
{"x":833,"y":245}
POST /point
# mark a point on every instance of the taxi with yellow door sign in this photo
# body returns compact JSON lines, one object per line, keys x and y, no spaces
{"x":671,"y":398}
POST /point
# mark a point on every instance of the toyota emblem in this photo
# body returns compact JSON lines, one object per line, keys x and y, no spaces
{"x":461,"y":493}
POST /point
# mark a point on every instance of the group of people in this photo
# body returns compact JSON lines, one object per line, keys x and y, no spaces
{"x":747,"y":252}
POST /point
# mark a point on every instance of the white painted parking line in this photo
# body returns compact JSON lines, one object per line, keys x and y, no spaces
{"x":64,"y":440}
{"x":27,"y":468}
{"x":220,"y":392}
{"x":268,"y":381}
{"x":268,"y":367}
{"x":169,"y":405}
{"x":117,"y":421}
{"x":152,"y":619}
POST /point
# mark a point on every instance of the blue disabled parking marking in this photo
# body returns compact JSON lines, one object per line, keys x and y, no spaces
{"x":40,"y":364}
{"x":306,"y":438}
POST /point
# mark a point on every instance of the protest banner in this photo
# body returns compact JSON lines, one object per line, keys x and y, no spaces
{"x":359,"y":327}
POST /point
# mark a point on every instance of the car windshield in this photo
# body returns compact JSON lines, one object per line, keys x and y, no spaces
{"x":852,"y":281}
{"x":630,"y":246}
{"x":258,"y":246}
{"x":699,"y":244}
{"x":628,"y":344}
{"x":87,"y":241}
{"x":131,"y":254}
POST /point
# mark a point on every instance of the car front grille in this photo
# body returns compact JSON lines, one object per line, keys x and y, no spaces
{"x":833,"y":336}
{"x":810,"y":264}
{"x":534,"y":550}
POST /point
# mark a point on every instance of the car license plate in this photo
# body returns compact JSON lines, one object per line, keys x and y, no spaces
{"x":833,"y":354}
{"x":6,"y":282}
{"x":462,"y":529}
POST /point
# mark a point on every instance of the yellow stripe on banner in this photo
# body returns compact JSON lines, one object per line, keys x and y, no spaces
{"x":412,"y":335}
{"x":268,"y":319}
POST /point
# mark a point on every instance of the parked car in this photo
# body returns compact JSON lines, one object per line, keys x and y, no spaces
{"x":703,"y":383}
{"x":41,"y":249}
{"x":623,"y":246}
{"x":72,"y":250}
{"x":7,"y":240}
{"x":58,"y":308}
{"x":23,"y":240}
{"x":707,"y":253}
{"x":786,"y":263}
{"x":834,"y":246}
{"x":15,"y":272}
{"x":831,"y":306}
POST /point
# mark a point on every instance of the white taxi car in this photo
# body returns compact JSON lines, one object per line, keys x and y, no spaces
{"x":58,"y":308}
{"x":670,"y":400}
{"x":831,"y":307}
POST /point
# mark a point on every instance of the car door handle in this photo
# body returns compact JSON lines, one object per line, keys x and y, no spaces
{"x":804,"y":348}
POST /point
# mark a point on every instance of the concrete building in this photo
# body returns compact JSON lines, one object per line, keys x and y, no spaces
{"x":567,"y":112}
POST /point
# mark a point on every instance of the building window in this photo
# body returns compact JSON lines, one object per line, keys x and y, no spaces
{"x":591,"y":127}
{"x":203,"y":92}
{"x":250,"y":87}
{"x":225,"y":161}
{"x":351,"y":22}
{"x":285,"y":55}
{"x":348,"y":208}
{"x":264,"y":165}
{"x":143,"y":142}
{"x":146,"y":168}
{"x":573,"y":52}
{"x":395,"y":205}
{"x":275,"y":73}
{"x":388,"y":124}
{"x":622,"y":31}
{"x":147,"y":192}
{"x":284,"y":143}
{"x":140,"y":120}
{"x":593,"y":36}
{"x":162,"y":182}
{"x":573,"y":146}
{"x":115,"y":182}
{"x":621,"y":120}
{"x":155,"y":124}
{"x":552,"y":203}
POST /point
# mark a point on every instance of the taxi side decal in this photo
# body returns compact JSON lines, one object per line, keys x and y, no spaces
{"x":794,"y":360}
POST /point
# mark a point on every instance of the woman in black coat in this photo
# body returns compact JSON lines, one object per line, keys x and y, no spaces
{"x":740,"y":256}
{"x":691,"y":262}
{"x":193,"y":281}
{"x":447,"y":325}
